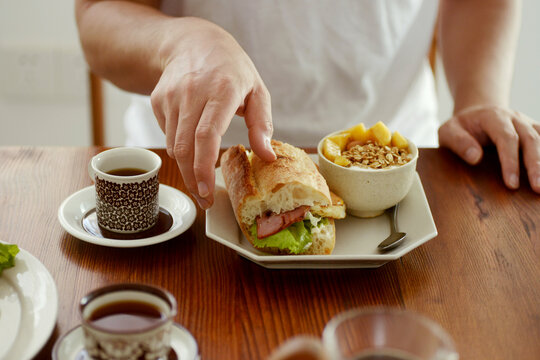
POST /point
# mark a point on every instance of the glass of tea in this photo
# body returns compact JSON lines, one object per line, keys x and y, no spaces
{"x":128,"y":321}
{"x":386,"y":334}
{"x":127,"y":187}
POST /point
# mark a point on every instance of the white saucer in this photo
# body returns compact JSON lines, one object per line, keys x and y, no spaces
{"x":74,"y":209}
{"x":71,"y":346}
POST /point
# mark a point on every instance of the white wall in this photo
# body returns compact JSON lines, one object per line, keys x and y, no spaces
{"x":43,"y":93}
{"x":525,"y":95}
{"x":44,"y":89}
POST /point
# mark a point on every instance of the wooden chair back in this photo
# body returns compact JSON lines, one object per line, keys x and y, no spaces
{"x":97,"y":109}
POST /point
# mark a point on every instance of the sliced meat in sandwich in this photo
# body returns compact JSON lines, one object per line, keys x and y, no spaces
{"x":284,"y":206}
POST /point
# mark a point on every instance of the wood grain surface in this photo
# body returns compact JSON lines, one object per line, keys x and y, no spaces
{"x":479,"y":278}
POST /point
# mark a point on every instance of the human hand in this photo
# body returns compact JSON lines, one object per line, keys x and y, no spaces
{"x":207,"y":78}
{"x":470,"y":129}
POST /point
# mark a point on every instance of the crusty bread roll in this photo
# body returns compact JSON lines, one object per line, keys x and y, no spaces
{"x":256,"y":187}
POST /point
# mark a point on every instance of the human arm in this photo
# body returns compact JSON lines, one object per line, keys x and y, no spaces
{"x":477,"y":41}
{"x":198,"y":77}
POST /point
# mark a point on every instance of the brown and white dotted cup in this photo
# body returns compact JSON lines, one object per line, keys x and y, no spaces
{"x":128,"y":321}
{"x":126,"y":203}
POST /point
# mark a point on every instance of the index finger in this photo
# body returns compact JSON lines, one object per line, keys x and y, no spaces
{"x":502,"y":132}
{"x":214,"y":121}
{"x":529,"y":138}
{"x":258,"y":117}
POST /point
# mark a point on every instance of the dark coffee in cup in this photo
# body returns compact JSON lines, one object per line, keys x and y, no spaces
{"x":128,"y":321}
{"x":385,"y":355}
{"x":126,"y":316}
{"x":127,"y":172}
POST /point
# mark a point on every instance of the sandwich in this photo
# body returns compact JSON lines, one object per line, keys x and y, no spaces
{"x":282,"y":207}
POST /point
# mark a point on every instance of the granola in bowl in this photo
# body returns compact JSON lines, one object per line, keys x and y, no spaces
{"x":371,"y":170}
{"x":375,"y":156}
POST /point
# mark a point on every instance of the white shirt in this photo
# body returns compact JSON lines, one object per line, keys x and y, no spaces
{"x":327,"y":64}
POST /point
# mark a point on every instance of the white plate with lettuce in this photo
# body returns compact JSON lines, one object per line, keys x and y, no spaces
{"x":28,"y":307}
{"x":356,"y":239}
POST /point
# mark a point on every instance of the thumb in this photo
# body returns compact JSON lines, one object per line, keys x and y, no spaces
{"x":453,"y":136}
{"x":258,"y":117}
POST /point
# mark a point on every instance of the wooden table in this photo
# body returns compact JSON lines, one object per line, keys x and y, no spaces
{"x":479,"y":278}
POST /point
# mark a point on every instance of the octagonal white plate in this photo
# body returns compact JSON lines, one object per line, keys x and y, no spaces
{"x":356,"y":239}
{"x":28,"y":307}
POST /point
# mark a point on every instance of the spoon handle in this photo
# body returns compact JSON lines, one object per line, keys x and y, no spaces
{"x":393,"y":218}
{"x":395,"y":237}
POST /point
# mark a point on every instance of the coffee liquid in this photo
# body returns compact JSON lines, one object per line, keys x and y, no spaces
{"x":382,"y":357}
{"x":385,"y":355}
{"x":127,"y":172}
{"x":90,"y":224}
{"x":126,"y":316}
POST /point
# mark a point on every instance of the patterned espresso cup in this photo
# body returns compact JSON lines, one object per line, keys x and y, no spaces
{"x":128,"y":321}
{"x":126,"y":189}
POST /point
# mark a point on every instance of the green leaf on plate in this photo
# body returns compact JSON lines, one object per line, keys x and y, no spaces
{"x":7,"y":256}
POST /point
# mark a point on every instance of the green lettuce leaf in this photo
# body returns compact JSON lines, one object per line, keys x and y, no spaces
{"x":7,"y":256}
{"x":296,"y":238}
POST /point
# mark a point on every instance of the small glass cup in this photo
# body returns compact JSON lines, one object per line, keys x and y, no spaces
{"x":386,"y":334}
{"x":128,"y":321}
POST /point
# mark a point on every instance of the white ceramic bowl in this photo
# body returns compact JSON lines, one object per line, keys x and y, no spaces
{"x":368,"y":192}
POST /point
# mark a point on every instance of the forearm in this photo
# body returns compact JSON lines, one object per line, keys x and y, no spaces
{"x":477,"y":42}
{"x":120,"y":40}
{"x":130,"y":43}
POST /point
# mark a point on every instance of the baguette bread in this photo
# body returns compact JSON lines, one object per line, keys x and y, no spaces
{"x":291,"y":181}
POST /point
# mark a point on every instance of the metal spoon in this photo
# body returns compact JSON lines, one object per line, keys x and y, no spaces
{"x":395,"y":238}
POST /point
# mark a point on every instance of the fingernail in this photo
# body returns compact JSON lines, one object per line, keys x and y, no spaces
{"x":268,"y":144}
{"x":472,"y":155}
{"x":513,"y":181}
{"x":203,"y":203}
{"x":203,"y":189}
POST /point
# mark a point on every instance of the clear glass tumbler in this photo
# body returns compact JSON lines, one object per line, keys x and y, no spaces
{"x":386,"y":334}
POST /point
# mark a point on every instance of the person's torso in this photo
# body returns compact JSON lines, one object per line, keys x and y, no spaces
{"x":329,"y":65}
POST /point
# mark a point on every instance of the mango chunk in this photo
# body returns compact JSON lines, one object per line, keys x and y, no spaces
{"x":399,"y":141}
{"x":381,"y":134}
{"x":341,"y":139}
{"x":360,"y":133}
{"x":342,"y":161}
{"x":345,"y":132}
{"x":330,"y":149}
